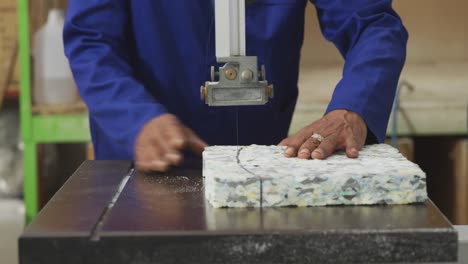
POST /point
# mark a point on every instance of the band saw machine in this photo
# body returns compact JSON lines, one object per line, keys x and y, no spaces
{"x":108,"y":212}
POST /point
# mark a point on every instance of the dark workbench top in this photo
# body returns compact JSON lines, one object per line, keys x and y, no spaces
{"x":163,"y":218}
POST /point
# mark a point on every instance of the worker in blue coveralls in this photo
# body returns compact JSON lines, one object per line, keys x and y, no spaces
{"x":139,"y":65}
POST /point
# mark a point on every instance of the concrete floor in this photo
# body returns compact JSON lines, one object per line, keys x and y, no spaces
{"x":11,"y":225}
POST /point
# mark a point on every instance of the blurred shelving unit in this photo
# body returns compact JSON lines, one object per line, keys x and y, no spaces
{"x":41,"y":124}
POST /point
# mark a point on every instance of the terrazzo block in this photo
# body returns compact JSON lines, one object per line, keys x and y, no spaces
{"x":260,"y":176}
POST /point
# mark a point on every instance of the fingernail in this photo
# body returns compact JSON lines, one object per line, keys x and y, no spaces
{"x":159,"y":163}
{"x":319,"y":151}
{"x":174,"y":157}
{"x":304,"y":151}
{"x":289,"y":151}
{"x":353,"y":150}
{"x":317,"y":154}
{"x":177,"y":142}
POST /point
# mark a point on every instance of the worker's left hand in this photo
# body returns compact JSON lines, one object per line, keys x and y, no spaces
{"x":161,"y":142}
{"x":340,"y":129}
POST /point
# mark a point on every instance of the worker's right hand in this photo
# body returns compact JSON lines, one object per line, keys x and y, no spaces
{"x":161,"y":141}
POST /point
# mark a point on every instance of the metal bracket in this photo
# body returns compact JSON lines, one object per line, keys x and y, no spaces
{"x":240,"y":83}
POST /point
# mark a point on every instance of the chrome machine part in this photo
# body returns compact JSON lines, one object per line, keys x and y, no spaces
{"x":239,"y":80}
{"x":240,"y":84}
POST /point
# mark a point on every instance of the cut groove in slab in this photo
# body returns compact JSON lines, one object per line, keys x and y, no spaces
{"x":256,"y":176}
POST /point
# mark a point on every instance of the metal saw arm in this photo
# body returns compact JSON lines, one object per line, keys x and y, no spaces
{"x":239,"y":81}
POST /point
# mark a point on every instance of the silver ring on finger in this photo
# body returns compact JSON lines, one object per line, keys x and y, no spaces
{"x":317,"y":137}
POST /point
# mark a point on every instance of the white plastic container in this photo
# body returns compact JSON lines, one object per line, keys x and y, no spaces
{"x":53,"y":80}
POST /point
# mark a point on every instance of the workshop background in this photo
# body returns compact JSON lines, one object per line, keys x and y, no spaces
{"x":429,"y":125}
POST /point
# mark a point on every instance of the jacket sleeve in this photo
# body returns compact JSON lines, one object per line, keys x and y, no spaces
{"x":97,"y":42}
{"x":372,"y":39}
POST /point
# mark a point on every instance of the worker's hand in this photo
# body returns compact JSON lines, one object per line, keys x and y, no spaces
{"x":340,"y":129}
{"x":161,"y":141}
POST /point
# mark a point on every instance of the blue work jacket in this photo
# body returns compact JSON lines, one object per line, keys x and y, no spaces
{"x":134,"y":60}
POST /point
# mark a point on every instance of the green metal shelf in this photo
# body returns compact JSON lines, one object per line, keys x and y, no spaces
{"x":38,"y":129}
{"x":60,"y":128}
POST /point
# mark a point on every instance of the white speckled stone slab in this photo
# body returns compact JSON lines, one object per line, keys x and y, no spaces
{"x":255,"y":176}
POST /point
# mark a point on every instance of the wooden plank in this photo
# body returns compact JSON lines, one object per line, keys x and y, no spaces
{"x":89,"y":151}
{"x":74,"y":108}
{"x":459,"y":156}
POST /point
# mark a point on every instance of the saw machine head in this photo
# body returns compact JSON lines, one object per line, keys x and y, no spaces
{"x":239,"y":81}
